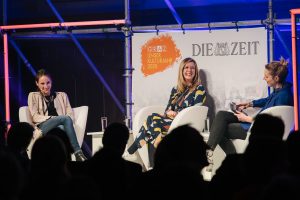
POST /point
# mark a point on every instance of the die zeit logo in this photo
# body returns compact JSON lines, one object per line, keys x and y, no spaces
{"x":226,"y":49}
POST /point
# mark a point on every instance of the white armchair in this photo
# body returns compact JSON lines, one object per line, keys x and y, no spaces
{"x":80,"y":119}
{"x":286,"y":113}
{"x":194,"y":115}
{"x":24,"y":115}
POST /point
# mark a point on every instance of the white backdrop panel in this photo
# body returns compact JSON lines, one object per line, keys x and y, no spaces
{"x":231,"y":65}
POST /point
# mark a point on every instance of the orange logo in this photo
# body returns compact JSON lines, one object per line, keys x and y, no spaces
{"x":158,"y":54}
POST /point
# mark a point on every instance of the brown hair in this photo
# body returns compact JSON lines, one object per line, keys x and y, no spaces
{"x":40,"y":73}
{"x":181,"y":83}
{"x":278,"y":68}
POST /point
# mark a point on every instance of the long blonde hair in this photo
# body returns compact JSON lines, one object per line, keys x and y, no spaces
{"x":181,"y":83}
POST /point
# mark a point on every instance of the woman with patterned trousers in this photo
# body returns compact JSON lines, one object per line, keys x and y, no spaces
{"x":188,"y":92}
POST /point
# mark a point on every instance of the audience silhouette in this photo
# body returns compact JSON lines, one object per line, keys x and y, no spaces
{"x":18,"y":139}
{"x":249,"y":173}
{"x":178,"y":162}
{"x":228,"y":172}
{"x":184,"y":147}
{"x":269,"y":168}
{"x":265,"y":156}
{"x":48,"y":168}
{"x":293,"y":149}
{"x":61,"y":134}
{"x":11,"y":177}
{"x":281,"y":187}
{"x":114,"y":175}
{"x":80,"y":188}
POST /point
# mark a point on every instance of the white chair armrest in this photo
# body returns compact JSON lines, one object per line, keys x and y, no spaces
{"x":142,"y":115}
{"x":80,"y":119}
{"x":24,"y":115}
{"x":194,"y":116}
{"x":138,"y":121}
{"x":286,"y":113}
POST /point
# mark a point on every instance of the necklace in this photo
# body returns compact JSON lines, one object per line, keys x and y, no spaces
{"x":48,"y":100}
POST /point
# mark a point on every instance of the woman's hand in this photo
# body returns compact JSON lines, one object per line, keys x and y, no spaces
{"x":243,"y":118}
{"x":242,"y":106}
{"x":172,"y":114}
{"x":157,"y":140}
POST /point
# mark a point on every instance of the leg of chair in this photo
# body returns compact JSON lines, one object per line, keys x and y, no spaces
{"x":151,"y":151}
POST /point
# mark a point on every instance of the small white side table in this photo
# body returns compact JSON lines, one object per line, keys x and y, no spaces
{"x":96,"y":141}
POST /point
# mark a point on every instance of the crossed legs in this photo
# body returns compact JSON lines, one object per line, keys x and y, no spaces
{"x":67,"y":124}
{"x":224,"y":128}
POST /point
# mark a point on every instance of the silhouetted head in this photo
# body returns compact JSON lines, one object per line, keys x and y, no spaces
{"x":11,"y":176}
{"x":183,"y":146}
{"x":61,"y":134}
{"x":48,"y":153}
{"x":19,"y":136}
{"x":115,"y":137}
{"x":293,"y":148}
{"x":268,"y":127}
{"x":265,"y":156}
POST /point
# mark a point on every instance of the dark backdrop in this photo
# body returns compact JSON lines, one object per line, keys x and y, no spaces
{"x":71,"y":74}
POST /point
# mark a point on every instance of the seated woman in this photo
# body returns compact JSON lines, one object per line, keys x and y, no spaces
{"x":228,"y":125}
{"x":52,"y":109}
{"x":188,"y":92}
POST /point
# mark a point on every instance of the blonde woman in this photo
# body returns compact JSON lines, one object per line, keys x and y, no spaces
{"x":188,"y":92}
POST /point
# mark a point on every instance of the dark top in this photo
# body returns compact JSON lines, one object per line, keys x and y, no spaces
{"x":49,"y":100}
{"x":279,"y":97}
{"x":186,"y":98}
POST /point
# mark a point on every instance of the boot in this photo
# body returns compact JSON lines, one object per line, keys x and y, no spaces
{"x":137,"y":143}
{"x":134,"y":147}
{"x":79,"y":156}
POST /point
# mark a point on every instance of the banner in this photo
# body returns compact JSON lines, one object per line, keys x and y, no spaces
{"x":231,"y":65}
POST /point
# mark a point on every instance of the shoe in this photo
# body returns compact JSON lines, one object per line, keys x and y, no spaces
{"x":79,"y":156}
{"x":209,"y":168}
{"x":209,"y":153}
{"x":134,"y":147}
